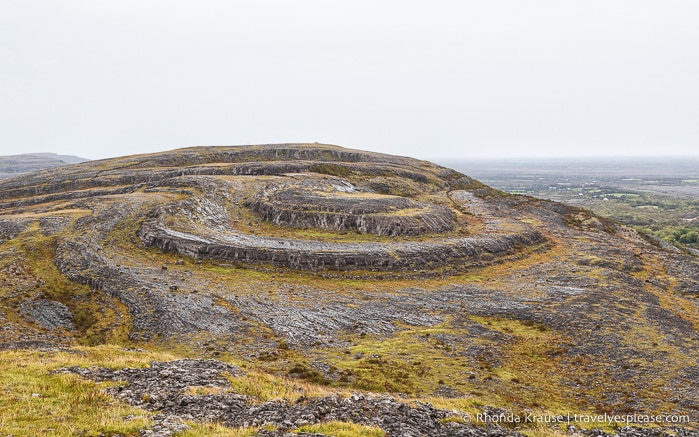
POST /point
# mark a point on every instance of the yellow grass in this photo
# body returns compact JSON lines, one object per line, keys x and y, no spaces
{"x":35,"y":402}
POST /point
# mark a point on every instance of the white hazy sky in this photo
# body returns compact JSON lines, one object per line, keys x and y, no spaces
{"x":430,"y":79}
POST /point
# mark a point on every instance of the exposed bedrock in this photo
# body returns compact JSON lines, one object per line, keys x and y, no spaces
{"x":154,"y":308}
{"x":457,"y":253}
{"x":163,"y":387}
{"x":205,"y":227}
{"x":48,"y":314}
{"x":336,"y":204}
{"x":166,"y":387}
{"x":148,"y":292}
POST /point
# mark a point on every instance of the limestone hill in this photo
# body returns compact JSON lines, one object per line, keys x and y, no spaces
{"x":342,"y":270}
{"x":19,"y":164}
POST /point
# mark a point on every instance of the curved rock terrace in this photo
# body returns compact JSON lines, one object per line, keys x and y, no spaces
{"x":313,"y":200}
{"x":207,"y":194}
{"x":336,"y":204}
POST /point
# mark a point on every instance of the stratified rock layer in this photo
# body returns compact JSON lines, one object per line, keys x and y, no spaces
{"x":337,"y":205}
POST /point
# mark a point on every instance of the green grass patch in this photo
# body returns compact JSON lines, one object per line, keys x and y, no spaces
{"x":342,"y":429}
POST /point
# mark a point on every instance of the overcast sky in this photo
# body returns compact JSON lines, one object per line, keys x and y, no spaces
{"x":430,"y":79}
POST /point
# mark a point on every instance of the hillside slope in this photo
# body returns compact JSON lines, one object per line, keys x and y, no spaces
{"x":348,"y":270}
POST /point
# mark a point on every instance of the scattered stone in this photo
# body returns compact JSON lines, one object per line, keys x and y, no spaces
{"x":163,"y":387}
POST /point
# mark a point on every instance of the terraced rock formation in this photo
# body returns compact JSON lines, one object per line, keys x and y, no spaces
{"x":382,"y":215}
{"x":352,"y":270}
{"x":336,"y":204}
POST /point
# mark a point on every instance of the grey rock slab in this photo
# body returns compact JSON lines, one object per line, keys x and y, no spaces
{"x":48,"y":314}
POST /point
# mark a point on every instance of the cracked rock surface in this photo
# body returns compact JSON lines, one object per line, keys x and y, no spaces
{"x":49,"y":314}
{"x":163,"y":387}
